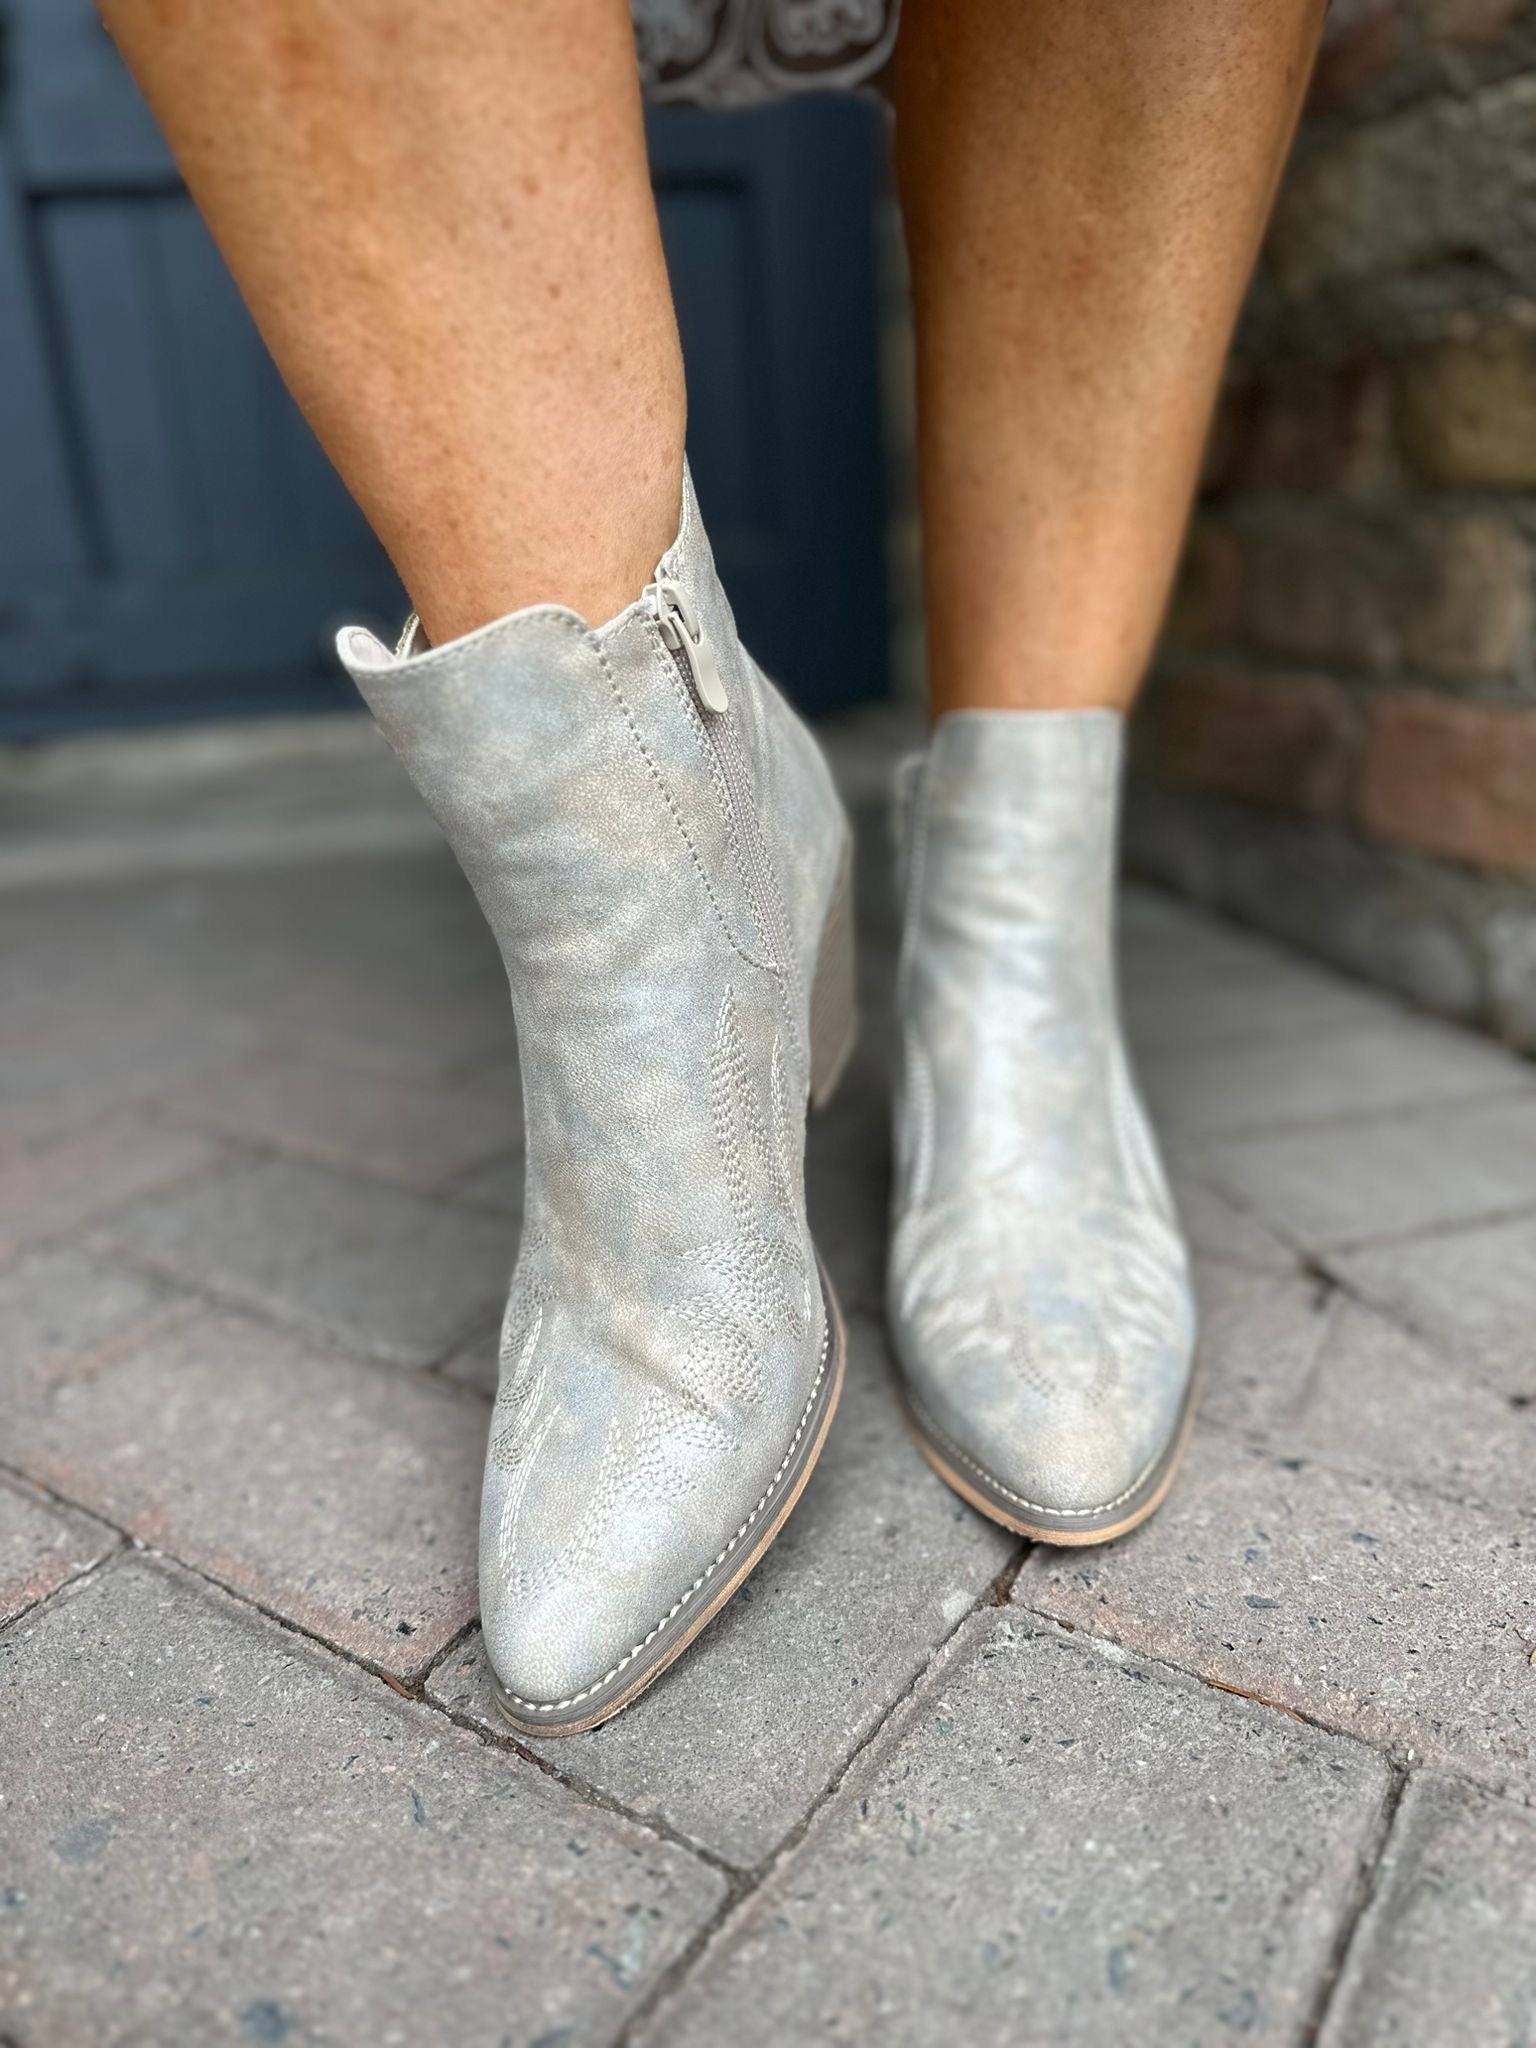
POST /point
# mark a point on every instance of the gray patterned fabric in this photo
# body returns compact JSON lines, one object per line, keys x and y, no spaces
{"x":731,"y":53}
{"x":1039,"y":1289}
{"x":658,"y":877}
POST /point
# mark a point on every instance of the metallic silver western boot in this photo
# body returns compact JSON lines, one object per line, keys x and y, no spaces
{"x":656,"y":842}
{"x":1039,"y":1291}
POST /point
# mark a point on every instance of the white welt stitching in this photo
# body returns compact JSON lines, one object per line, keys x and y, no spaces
{"x":556,"y":1706}
{"x":1037,"y":1506}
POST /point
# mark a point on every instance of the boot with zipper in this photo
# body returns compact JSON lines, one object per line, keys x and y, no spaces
{"x":1039,"y":1292}
{"x":655,"y":840}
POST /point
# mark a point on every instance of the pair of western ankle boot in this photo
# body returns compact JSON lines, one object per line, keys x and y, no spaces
{"x":657,"y":843}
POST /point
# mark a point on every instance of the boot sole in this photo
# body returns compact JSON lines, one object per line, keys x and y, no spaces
{"x":1041,"y":1525}
{"x":670,"y":1639}
{"x":833,"y":1033}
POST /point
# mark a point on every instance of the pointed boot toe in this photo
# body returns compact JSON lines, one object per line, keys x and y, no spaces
{"x":656,"y":842}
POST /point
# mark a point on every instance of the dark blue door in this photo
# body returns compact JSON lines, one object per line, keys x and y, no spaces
{"x":172,"y":541}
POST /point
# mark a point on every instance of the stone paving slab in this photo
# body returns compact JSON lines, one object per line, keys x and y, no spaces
{"x":1260,"y":1338}
{"x":385,"y":1271}
{"x":341,"y":1497}
{"x":1446,"y":1955}
{"x":59,"y":1305}
{"x":1360,"y":1182}
{"x":1023,"y":1860}
{"x":43,"y":1546}
{"x":875,"y":1567}
{"x":1404,"y":1620}
{"x":50,"y":1189}
{"x":86,"y":1062}
{"x":1242,"y":1003}
{"x":218,"y":1833}
{"x":1218,"y":1228}
{"x":1382,"y":1402}
{"x":1399,"y":1063}
{"x":387,"y":1126}
{"x":1472,"y":1291}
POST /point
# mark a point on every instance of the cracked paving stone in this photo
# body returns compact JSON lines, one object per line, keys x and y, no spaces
{"x":1398,"y":1618}
{"x":217,"y":1832}
{"x":1052,"y":1843}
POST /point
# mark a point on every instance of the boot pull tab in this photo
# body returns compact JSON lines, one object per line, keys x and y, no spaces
{"x":686,"y":638}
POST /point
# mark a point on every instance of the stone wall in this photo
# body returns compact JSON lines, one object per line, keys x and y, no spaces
{"x":1340,"y":740}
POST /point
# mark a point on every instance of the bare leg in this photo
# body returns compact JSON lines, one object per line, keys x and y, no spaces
{"x":1085,"y":187}
{"x":440,"y":215}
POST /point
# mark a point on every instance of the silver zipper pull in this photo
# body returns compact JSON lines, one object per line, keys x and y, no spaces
{"x":682,"y":632}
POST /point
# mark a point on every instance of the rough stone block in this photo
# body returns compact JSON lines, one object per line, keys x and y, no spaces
{"x":1440,"y":180}
{"x":1453,"y":779}
{"x":1020,"y":1858}
{"x":1443,"y":590}
{"x":387,"y":1126}
{"x":385,"y":1271}
{"x":43,"y":1546}
{"x":216,"y":1832}
{"x":1443,"y":1956}
{"x":1286,"y":742}
{"x":1467,"y":408}
{"x":1354,"y":1183}
{"x":1400,"y":1619}
{"x":874,"y":1568}
{"x":341,"y":1497}
{"x":54,"y":1188}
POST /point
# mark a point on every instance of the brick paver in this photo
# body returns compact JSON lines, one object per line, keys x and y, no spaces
{"x":216,"y":1832}
{"x":1381,"y":1402}
{"x":1355,"y":1182}
{"x":43,"y":1546}
{"x":58,"y":1305}
{"x":1446,"y":1956}
{"x":338,"y":1496}
{"x":49,"y":1189}
{"x":876,"y":1566}
{"x":1473,"y":1291}
{"x":1260,"y":1336}
{"x":1218,"y":1227}
{"x":1404,"y":1620}
{"x":391,"y":1273}
{"x":1022,"y":1861}
{"x":1253,"y":1086}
